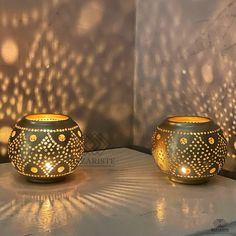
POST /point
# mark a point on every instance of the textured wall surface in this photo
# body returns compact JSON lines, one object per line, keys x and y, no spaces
{"x":185,"y":64}
{"x":72,"y":57}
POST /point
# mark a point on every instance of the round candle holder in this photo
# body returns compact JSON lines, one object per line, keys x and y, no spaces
{"x":189,"y":149}
{"x":45,"y":147}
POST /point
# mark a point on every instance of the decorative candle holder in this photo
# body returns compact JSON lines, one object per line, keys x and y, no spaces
{"x":45,"y":147}
{"x":189,"y":149}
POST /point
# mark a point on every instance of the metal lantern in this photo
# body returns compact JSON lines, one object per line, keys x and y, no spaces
{"x":189,"y":149}
{"x":45,"y":147}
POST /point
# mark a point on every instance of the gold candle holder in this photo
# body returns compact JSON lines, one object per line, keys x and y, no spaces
{"x":45,"y":147}
{"x":189,"y":149}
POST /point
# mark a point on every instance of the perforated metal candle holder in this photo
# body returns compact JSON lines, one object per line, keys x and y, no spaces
{"x":188,"y":149}
{"x":45,"y":147}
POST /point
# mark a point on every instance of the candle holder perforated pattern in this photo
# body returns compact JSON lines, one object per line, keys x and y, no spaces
{"x":191,"y":157}
{"x":45,"y":154}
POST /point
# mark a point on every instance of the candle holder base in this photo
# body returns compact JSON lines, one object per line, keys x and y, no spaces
{"x":188,"y":180}
{"x":45,"y":180}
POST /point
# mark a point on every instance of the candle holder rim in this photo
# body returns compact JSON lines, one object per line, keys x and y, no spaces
{"x":65,"y":122}
{"x":195,"y":119}
{"x":58,"y":117}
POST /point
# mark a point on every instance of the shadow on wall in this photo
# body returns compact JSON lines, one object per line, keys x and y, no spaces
{"x":72,"y":57}
{"x":185,"y":64}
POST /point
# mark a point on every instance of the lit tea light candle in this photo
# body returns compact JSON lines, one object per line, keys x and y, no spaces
{"x":48,"y":166}
{"x":185,"y":170}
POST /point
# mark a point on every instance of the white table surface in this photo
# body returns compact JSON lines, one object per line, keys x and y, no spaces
{"x":129,"y":197}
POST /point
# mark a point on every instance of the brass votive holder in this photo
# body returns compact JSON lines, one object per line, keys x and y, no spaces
{"x":189,"y":149}
{"x":45,"y":147}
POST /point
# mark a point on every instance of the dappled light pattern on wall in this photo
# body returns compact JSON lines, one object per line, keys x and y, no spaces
{"x":68,"y":57}
{"x":185,"y":64}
